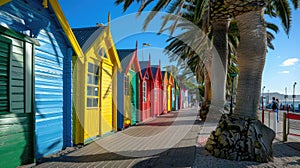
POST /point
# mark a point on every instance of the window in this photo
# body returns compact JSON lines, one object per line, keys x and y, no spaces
{"x":147,"y":76}
{"x":144,"y":91}
{"x":15,"y":78}
{"x":102,"y":53}
{"x":93,"y":85}
{"x":126,"y":83}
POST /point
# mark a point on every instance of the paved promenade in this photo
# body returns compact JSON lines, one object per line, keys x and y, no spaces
{"x":167,"y":141}
{"x":173,"y":140}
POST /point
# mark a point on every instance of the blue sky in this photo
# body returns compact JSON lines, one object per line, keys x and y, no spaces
{"x":282,"y":66}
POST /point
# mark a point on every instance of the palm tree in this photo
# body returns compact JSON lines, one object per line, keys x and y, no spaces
{"x":253,"y":37}
{"x":251,"y":54}
{"x":220,"y":23}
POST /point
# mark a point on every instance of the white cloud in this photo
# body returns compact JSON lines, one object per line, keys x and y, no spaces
{"x":290,"y":62}
{"x":284,"y":72}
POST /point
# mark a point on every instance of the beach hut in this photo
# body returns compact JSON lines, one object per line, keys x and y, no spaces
{"x":177,"y":95}
{"x":171,"y":94}
{"x":95,"y":84}
{"x":165,"y":91}
{"x":35,"y":80}
{"x":128,"y":88}
{"x":146,"y":85}
{"x":157,"y":90}
{"x":173,"y":91}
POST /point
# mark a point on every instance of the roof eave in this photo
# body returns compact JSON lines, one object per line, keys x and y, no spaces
{"x":67,"y":29}
{"x":115,"y":53}
{"x":3,"y":2}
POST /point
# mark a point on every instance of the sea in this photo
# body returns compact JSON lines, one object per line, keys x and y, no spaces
{"x":283,"y":102}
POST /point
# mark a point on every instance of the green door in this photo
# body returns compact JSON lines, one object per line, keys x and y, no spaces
{"x":134,"y":92}
{"x":173,"y":98}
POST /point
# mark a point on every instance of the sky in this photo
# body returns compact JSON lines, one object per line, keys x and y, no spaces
{"x":282,"y":66}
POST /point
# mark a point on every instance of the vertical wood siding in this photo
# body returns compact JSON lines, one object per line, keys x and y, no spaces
{"x":120,"y":99}
{"x":106,"y":99}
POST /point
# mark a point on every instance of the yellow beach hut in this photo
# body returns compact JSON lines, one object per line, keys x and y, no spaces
{"x":95,"y":84}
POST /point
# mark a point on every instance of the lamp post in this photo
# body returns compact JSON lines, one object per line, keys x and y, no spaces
{"x":262,"y":105}
{"x":144,"y":44}
{"x":232,"y":75}
{"x":294,"y":96}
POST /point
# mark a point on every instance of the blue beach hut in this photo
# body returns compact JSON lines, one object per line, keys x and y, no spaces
{"x":35,"y":80}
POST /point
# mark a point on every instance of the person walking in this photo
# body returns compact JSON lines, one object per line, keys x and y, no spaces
{"x":274,"y":106}
{"x":278,"y":108}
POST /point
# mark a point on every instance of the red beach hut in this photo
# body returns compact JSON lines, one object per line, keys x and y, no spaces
{"x":146,"y":86}
{"x":156,"y":102}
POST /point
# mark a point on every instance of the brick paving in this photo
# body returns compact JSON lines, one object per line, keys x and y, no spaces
{"x":166,"y":141}
{"x":173,"y":140}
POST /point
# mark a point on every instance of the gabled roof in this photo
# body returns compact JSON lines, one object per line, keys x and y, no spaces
{"x":86,"y":36}
{"x":163,"y":73}
{"x":143,"y":66}
{"x":89,"y":37}
{"x":154,"y":69}
{"x":125,"y":56}
{"x":156,"y":72}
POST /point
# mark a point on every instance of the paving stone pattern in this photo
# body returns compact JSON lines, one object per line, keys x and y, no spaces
{"x":166,"y":141}
{"x":176,"y":139}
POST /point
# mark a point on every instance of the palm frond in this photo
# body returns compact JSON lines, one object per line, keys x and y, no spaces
{"x":283,"y":11}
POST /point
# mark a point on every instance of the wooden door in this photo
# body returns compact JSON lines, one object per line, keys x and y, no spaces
{"x":134,"y":92}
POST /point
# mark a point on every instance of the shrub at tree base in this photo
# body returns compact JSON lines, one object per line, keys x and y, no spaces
{"x":241,"y":140}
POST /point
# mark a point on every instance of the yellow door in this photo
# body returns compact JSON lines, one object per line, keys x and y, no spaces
{"x":169,"y":98}
{"x":92,"y":108}
{"x":106,"y":99}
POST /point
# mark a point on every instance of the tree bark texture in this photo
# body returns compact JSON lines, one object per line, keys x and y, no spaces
{"x":251,"y":60}
{"x":219,"y":62}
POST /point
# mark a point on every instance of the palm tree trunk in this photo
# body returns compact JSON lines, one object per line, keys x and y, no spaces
{"x":219,"y":62}
{"x":251,"y":59}
{"x":207,"y":93}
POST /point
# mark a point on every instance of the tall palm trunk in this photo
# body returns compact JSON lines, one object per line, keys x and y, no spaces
{"x":251,"y":59}
{"x":207,"y":93}
{"x":219,"y":62}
